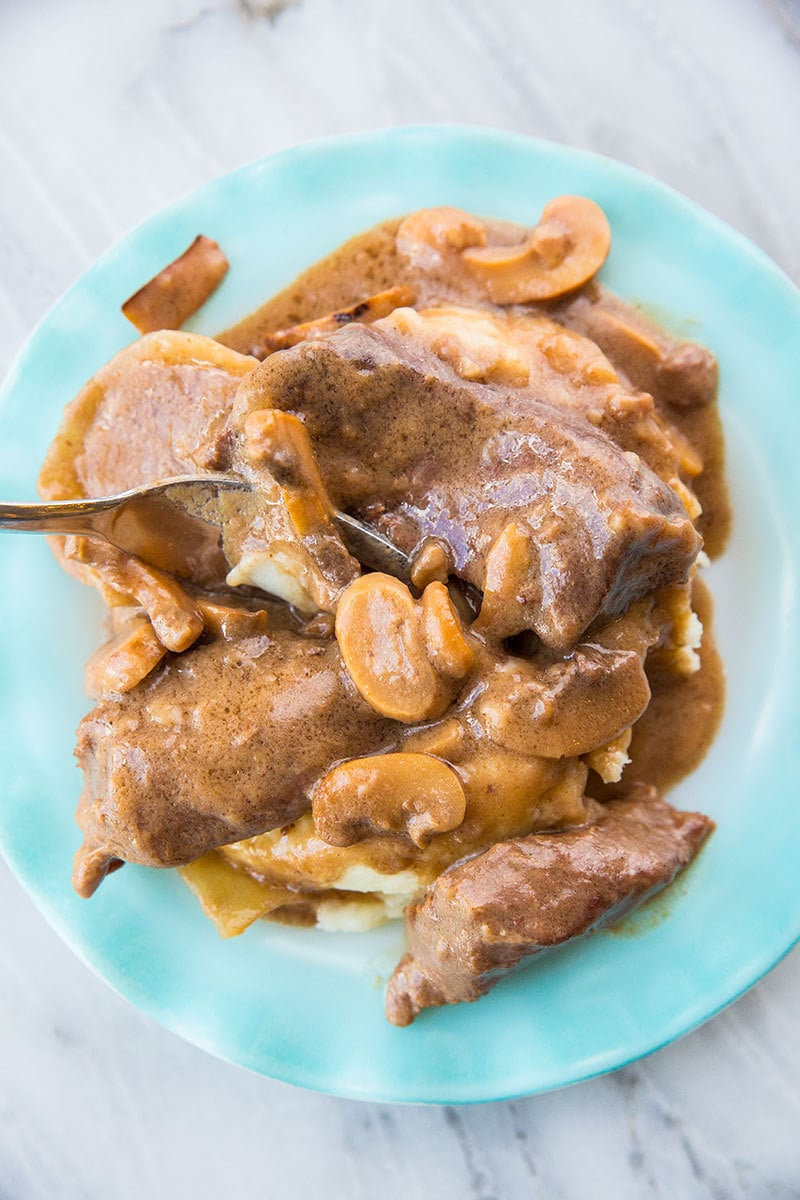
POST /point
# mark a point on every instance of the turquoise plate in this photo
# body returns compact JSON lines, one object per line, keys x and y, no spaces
{"x":305,"y":1006}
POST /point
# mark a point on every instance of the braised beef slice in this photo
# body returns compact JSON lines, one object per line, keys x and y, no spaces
{"x":487,"y":914}
{"x":157,"y":409}
{"x":404,"y":442}
{"x":682,"y":377}
{"x":676,"y":372}
{"x":218,"y":744}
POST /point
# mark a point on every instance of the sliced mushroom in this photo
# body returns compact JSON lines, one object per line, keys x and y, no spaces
{"x":574,"y":705}
{"x":509,"y":572}
{"x":230,"y":621}
{"x":365,"y":311}
{"x":565,"y":250}
{"x":449,"y":650}
{"x":171,"y":296}
{"x":125,"y":660}
{"x":304,"y":561}
{"x":279,"y":441}
{"x":119,"y":615}
{"x":678,"y":373}
{"x":446,"y":739}
{"x":383,"y":638}
{"x":634,"y":343}
{"x":174,"y":616}
{"x":429,"y":234}
{"x":432,"y":562}
{"x":415,"y":795}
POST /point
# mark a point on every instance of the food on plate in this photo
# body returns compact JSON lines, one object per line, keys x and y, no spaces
{"x":364,"y":312}
{"x":488,"y":913}
{"x":174,"y":294}
{"x":481,"y":746}
{"x":167,"y":776}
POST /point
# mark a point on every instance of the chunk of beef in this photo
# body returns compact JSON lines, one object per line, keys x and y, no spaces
{"x":159,"y":409}
{"x":486,"y":914}
{"x":678,"y":373}
{"x":682,"y":377}
{"x":218,"y":744}
{"x":404,"y":441}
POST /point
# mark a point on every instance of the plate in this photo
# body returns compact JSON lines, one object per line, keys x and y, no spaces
{"x":305,"y":1006}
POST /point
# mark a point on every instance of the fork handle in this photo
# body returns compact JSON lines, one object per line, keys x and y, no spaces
{"x":57,"y":516}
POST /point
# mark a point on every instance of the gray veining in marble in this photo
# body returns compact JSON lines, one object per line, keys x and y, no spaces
{"x":107,"y":111}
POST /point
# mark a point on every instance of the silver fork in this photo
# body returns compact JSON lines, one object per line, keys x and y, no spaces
{"x":153,"y":521}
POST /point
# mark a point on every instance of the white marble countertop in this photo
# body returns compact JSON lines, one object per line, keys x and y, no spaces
{"x":110,"y":109}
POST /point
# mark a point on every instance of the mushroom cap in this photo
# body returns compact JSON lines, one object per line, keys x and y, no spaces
{"x":416,"y":795}
{"x":428,"y":234}
{"x":565,"y":250}
{"x":405,"y":657}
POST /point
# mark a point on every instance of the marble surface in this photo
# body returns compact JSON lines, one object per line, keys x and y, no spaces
{"x":110,"y":109}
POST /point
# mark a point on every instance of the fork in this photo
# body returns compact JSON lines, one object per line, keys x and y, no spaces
{"x":152,"y":521}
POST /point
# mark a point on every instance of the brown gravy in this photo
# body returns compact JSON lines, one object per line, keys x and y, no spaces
{"x":520,"y":726}
{"x":672,"y":736}
{"x":369,"y":263}
{"x":685,"y":711}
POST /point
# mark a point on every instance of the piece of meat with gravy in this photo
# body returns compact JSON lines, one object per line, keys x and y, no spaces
{"x":159,"y":410}
{"x":492,"y":912}
{"x":484,"y":746}
{"x":473,"y":464}
{"x":217,"y":744}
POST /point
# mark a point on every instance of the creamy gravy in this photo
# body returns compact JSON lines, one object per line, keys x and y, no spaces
{"x":528,"y":719}
{"x":676,"y":730}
